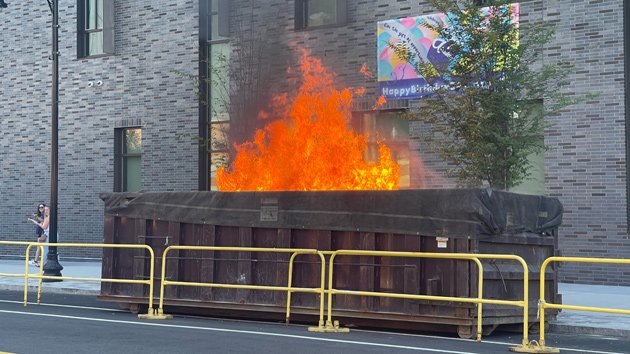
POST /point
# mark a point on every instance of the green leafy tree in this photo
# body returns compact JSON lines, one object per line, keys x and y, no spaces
{"x":490,"y":100}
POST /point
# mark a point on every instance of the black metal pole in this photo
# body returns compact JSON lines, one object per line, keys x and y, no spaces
{"x":52,"y":266}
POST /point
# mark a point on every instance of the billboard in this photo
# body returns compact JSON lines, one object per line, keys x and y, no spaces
{"x":397,"y":78}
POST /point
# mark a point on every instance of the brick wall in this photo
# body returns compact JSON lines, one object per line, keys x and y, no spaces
{"x":138,"y":83}
{"x":585,"y":167}
{"x":586,"y":164}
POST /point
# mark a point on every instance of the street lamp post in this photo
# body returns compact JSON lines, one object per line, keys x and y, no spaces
{"x":52,"y":266}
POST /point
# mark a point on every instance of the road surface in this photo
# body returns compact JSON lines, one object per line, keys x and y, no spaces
{"x":81,"y":324}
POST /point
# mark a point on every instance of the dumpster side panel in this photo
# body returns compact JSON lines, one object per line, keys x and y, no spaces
{"x":503,"y":279}
{"x":265,"y":266}
{"x":226,"y":263}
{"x":408,"y":275}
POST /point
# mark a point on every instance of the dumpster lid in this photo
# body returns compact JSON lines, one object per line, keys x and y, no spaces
{"x":440,"y":212}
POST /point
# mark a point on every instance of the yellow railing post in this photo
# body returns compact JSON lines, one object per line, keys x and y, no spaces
{"x":41,"y":272}
{"x":540,"y":346}
{"x":480,"y":297}
{"x":150,"y":310}
{"x":289,"y":282}
{"x":26,"y":272}
{"x":40,"y":275}
{"x":289,"y":288}
{"x":160,"y":313}
{"x":321,"y":294}
{"x":26,"y":259}
{"x":28,"y":248}
{"x":525,"y":339}
{"x":541,"y":303}
{"x":525,"y":302}
{"x":333,"y":326}
{"x":329,"y":326}
{"x":152,"y":314}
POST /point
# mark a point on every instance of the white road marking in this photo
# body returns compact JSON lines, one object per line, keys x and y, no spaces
{"x":67,"y":306}
{"x":288,"y":335}
{"x":393,"y":346}
{"x":493,"y":342}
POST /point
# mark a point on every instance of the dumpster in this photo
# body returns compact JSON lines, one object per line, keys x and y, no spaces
{"x":448,"y":220}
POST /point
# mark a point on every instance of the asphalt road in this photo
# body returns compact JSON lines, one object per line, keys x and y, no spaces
{"x":81,"y":324}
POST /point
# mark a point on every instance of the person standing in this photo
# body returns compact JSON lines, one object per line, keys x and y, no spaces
{"x":42,"y":225}
{"x":39,"y":217}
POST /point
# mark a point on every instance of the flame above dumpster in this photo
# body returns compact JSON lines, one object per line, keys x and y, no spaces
{"x":310,"y":147}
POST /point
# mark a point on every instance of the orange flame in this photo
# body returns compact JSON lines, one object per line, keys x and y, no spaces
{"x":311,"y":148}
{"x":380,"y":102}
{"x":365,"y":71}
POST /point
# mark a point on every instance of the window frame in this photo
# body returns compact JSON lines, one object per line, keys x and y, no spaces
{"x":120,"y":156}
{"x":83,"y":34}
{"x":214,"y":24}
{"x":396,"y":145}
{"x":301,"y":12}
{"x":484,"y":3}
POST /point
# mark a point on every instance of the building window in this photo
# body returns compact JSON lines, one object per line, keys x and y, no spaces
{"x":320,"y":13}
{"x":215,"y":15}
{"x":535,"y":182}
{"x":390,"y":128}
{"x":483,"y":2}
{"x":219,"y":107}
{"x":95,"y":28}
{"x":128,"y":160}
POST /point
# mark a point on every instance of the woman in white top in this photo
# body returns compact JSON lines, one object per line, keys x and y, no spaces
{"x":44,"y":236}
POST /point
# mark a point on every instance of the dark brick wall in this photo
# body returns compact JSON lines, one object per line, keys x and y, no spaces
{"x":585,"y":166}
{"x":138,"y":83}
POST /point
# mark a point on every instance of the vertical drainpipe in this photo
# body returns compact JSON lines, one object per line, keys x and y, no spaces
{"x":626,"y":70}
{"x":204,"y":175}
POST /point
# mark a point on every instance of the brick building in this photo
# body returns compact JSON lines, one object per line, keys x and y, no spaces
{"x":131,"y":118}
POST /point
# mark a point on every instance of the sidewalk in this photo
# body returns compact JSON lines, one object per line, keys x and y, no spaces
{"x":70,"y":269}
{"x":567,"y":322}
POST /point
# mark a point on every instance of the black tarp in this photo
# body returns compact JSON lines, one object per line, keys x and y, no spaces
{"x":428,"y":212}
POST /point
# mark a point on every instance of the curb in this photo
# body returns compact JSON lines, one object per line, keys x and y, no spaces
{"x":50,"y":290}
{"x":599,"y":331}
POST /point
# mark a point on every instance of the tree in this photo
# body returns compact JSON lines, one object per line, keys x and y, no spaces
{"x":491,"y":97}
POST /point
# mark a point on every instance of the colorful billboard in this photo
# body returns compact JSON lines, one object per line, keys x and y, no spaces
{"x":397,"y":78}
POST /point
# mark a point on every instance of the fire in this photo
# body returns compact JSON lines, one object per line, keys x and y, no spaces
{"x":310,"y":147}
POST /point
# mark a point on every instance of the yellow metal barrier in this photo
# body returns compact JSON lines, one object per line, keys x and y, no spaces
{"x":329,"y":325}
{"x":40,"y":275}
{"x":24,"y":275}
{"x":159,"y":314}
{"x":333,"y":326}
{"x":540,"y":347}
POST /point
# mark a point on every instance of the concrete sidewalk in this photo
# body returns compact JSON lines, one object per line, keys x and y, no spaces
{"x":568,"y":321}
{"x":70,"y":269}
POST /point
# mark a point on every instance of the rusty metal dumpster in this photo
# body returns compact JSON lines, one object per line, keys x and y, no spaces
{"x":457,"y":220}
